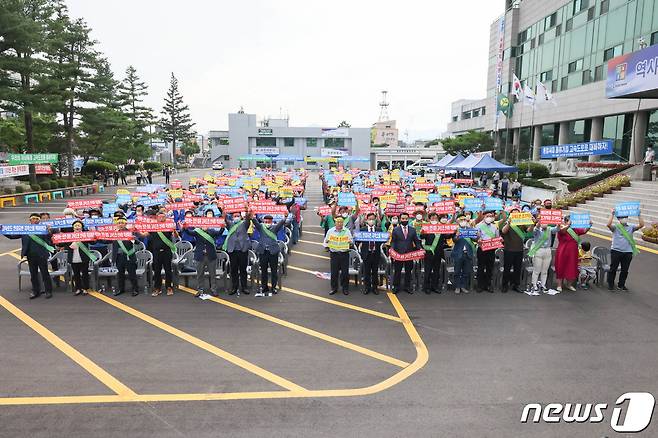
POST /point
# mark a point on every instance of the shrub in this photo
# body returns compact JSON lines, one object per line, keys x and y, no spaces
{"x":61,"y":182}
{"x":531,"y":182}
{"x":19,"y":189}
{"x":45,"y":185}
{"x":538,"y":170}
{"x":599,"y":165}
{"x":153,"y":165}
{"x":35,"y":187}
{"x":130,"y":169}
{"x":97,"y":166}
{"x":8,"y":190}
{"x":579,"y":183}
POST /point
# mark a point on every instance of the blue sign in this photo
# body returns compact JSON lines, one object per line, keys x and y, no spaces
{"x":148,"y":202}
{"x":123,"y":199}
{"x":580,"y":220}
{"x":601,"y":147}
{"x":109,"y":209}
{"x":633,"y":74}
{"x":346,"y":199}
{"x":493,"y":204}
{"x":300,"y":201}
{"x":625,"y":209}
{"x":18,"y":229}
{"x":469,"y":233}
{"x":367,"y":236}
{"x":473,"y":204}
{"x":433,"y":197}
{"x":59,"y":223}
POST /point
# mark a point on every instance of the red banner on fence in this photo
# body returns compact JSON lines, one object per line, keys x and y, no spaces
{"x":87,"y":203}
{"x":114,"y":235}
{"x":439,"y":228}
{"x":43,"y":169}
{"x":152,"y":227}
{"x":83,"y":236}
{"x":489,"y":244}
{"x":231,"y":205}
{"x":179,"y":205}
{"x":204,"y":222}
{"x":550,"y":217}
{"x":407,"y":257}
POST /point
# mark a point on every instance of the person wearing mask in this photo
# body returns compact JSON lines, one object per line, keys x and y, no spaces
{"x":462,"y":257}
{"x":434,"y":245}
{"x":566,"y":256}
{"x":403,"y":240}
{"x":79,"y":256}
{"x":649,"y":155}
{"x":37,"y":248}
{"x":163,"y":249}
{"x":296,"y":211}
{"x":514,"y":237}
{"x":622,"y":249}
{"x":541,"y":255}
{"x":123,"y":252}
{"x":487,"y":230}
{"x":149,"y":176}
{"x":268,"y":250}
{"x":237,"y":246}
{"x":205,"y":255}
{"x":338,"y":240}
{"x":371,"y":256}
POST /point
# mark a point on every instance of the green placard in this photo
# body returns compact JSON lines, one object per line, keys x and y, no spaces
{"x":15,"y":159}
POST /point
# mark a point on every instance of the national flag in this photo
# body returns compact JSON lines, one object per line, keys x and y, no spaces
{"x":517,"y":88}
{"x":528,"y":96}
{"x":543,"y":94}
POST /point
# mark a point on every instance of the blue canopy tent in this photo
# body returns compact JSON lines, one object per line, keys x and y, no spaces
{"x":442,"y":162}
{"x":482,"y":163}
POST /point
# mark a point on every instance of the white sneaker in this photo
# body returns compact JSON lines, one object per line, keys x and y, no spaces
{"x":259,"y":294}
{"x":465,"y":290}
{"x":458,"y":290}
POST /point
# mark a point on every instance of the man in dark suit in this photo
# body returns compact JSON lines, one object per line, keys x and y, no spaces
{"x":370,"y":254}
{"x":403,"y":240}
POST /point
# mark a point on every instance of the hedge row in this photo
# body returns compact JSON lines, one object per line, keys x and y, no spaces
{"x":579,"y":183}
{"x":48,"y":184}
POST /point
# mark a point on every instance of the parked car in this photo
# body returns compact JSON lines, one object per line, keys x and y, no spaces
{"x":218,"y":165}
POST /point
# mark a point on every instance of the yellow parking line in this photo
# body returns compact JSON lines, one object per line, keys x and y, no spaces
{"x":13,"y":254}
{"x":641,"y":247}
{"x":313,"y":232}
{"x":10,"y":252}
{"x":309,"y":254}
{"x":305,"y":330}
{"x":341,"y":304}
{"x":202,"y":344}
{"x":79,"y":358}
{"x":312,"y":243}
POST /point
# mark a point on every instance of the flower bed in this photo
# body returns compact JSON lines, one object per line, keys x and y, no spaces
{"x":650,"y":234}
{"x":599,"y":189}
{"x":599,"y":165}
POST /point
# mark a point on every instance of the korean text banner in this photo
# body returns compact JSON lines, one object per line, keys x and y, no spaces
{"x":602,"y":147}
{"x":632,"y":74}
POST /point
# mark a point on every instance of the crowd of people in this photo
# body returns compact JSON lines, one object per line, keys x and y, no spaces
{"x":448,"y":233}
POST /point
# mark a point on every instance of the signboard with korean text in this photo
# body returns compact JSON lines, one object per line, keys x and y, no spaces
{"x":631,"y":208}
{"x":152,"y":227}
{"x":491,"y":244}
{"x":439,"y":228}
{"x":19,"y":229}
{"x":32,"y":158}
{"x":521,"y":219}
{"x":550,"y":217}
{"x":83,"y":236}
{"x":10,"y":171}
{"x":580,"y":220}
{"x":204,"y":222}
{"x":601,"y":147}
{"x":88,"y":203}
{"x":407,"y":257}
{"x":634,"y":74}
{"x":367,"y":236}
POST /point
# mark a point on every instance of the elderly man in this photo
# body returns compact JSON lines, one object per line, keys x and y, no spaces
{"x":338,"y":240}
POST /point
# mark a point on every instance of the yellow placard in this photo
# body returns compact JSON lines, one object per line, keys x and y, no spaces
{"x":285,"y":193}
{"x":444,"y":190}
{"x":521,"y":219}
{"x":208,"y":178}
{"x":193,"y":180}
{"x":395,"y":175}
{"x":211,"y":190}
{"x":339,"y":243}
{"x":421,"y":180}
{"x":175,"y":194}
{"x":123,"y":192}
{"x":385,"y":199}
{"x":461,"y":198}
{"x":420,"y":196}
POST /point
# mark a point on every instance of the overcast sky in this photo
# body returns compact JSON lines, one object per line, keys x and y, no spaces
{"x":322,"y":62}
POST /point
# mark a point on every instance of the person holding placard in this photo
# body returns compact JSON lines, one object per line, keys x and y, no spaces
{"x":79,"y":256}
{"x":338,"y":239}
{"x":268,"y":251}
{"x":434,"y":245}
{"x":163,"y":249}
{"x":371,"y":256}
{"x":622,"y":249}
{"x":123,"y":253}
{"x":403,"y":240}
{"x":488,"y":230}
{"x":462,"y":255}
{"x":237,"y":246}
{"x":514,"y":237}
{"x":566,"y":256}
{"x":541,"y":254}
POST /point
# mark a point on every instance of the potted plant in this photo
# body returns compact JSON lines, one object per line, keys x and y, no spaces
{"x":650,"y":234}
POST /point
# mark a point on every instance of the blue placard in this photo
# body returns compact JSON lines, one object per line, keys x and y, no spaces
{"x":300,"y":201}
{"x":96,"y":221}
{"x":580,"y":220}
{"x":469,"y":233}
{"x":109,"y":209}
{"x":346,"y":199}
{"x":464,"y":191}
{"x":123,"y":199}
{"x":473,"y":204}
{"x":601,"y":147}
{"x":367,"y":236}
{"x":59,"y":223}
{"x":493,"y":204}
{"x":631,"y":208}
{"x":14,"y":229}
{"x":148,"y":202}
{"x":433,"y":197}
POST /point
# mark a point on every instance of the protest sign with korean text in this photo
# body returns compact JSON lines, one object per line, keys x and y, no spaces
{"x":82,"y":236}
{"x":18,"y":229}
{"x":490,"y":244}
{"x":367,"y":236}
{"x":550,"y":217}
{"x":406,"y":257}
{"x":625,"y":209}
{"x":439,"y":228}
{"x":521,"y":219}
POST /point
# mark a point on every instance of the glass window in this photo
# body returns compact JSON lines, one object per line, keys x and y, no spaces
{"x":618,"y":129}
{"x":616,"y":30}
{"x":476,"y":113}
{"x":334,"y":143}
{"x":612,"y":52}
{"x":654,"y":38}
{"x":549,"y":134}
{"x":289,"y":142}
{"x":484,"y":110}
{"x":313,"y":142}
{"x":546,"y":76}
{"x":288,"y":163}
{"x":576,"y":131}
{"x":579,"y":5}
{"x":576,"y":65}
{"x":590,"y":14}
{"x":554,"y":86}
{"x":569,"y":25}
{"x":605,"y":4}
{"x":466,"y":115}
{"x":266,"y":141}
{"x":652,"y":128}
{"x":540,"y":41}
{"x":558,"y":30}
{"x":565,"y":83}
{"x":598,"y":73}
{"x":587,"y":76}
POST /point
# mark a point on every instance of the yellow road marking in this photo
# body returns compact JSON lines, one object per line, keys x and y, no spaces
{"x":312,"y":243}
{"x":313,"y":232}
{"x":309,"y":254}
{"x":305,"y":330}
{"x":341,"y":304}
{"x":643,"y":248}
{"x":13,"y":254}
{"x":10,"y":252}
{"x":106,"y":378}
{"x":202,"y":344}
{"x":422,"y":356}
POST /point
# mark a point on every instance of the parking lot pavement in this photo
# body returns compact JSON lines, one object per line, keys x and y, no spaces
{"x":303,"y":363}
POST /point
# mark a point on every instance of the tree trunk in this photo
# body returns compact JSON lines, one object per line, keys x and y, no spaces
{"x":29,"y":130}
{"x":69,"y":140}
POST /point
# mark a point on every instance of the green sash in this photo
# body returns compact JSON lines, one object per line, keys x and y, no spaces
{"x":488,"y":232}
{"x":384,"y":227}
{"x":84,"y":249}
{"x":125,"y":250}
{"x":431,"y":248}
{"x":624,"y":232}
{"x":167,"y":242}
{"x":230,"y":233}
{"x":573,"y":234}
{"x":538,"y":244}
{"x":518,"y":231}
{"x":207,"y":236}
{"x":470,"y":243}
{"x":268,"y":233}
{"x":41,"y":242}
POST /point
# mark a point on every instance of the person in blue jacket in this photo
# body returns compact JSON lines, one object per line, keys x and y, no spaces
{"x":268,"y":250}
{"x":462,"y":257}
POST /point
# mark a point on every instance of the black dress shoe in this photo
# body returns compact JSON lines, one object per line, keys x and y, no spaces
{"x":49,"y":295}
{"x":117,"y":292}
{"x":517,"y":290}
{"x":503,"y":289}
{"x":427,"y":291}
{"x":333,"y":292}
{"x":34,"y":295}
{"x":346,"y":292}
{"x":478,"y":290}
{"x":233,"y":292}
{"x":409,"y":291}
{"x":376,"y":292}
{"x":245,"y":291}
{"x":366,"y":291}
{"x":437,"y":291}
{"x":134,"y":293}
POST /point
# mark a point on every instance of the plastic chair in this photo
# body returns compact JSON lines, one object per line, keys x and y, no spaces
{"x":63,"y":268}
{"x":144,"y":263}
{"x":92,"y":268}
{"x":223,"y":267}
{"x":602,"y":256}
{"x":186,"y":267}
{"x":106,"y":268}
{"x":499,"y":267}
{"x":253,"y":267}
{"x":283,"y":249}
{"x":355,"y":265}
{"x":448,"y":268}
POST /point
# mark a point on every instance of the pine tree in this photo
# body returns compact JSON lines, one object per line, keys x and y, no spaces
{"x":176,"y":122}
{"x":131,"y":93}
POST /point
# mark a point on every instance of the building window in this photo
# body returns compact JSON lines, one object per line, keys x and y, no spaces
{"x":288,"y":163}
{"x":565,"y":83}
{"x":558,"y":30}
{"x":654,"y":38}
{"x":311,"y":142}
{"x":554,"y":86}
{"x":605,"y":5}
{"x":266,"y":141}
{"x":612,"y":52}
{"x":223,"y":141}
{"x":523,"y":36}
{"x":532,"y":43}
{"x":289,"y":142}
{"x":598,"y":73}
{"x":576,"y":65}
{"x":569,"y":25}
{"x":618,"y":129}
{"x":476,"y":113}
{"x":546,"y":76}
{"x":590,"y":14}
{"x":484,"y":110}
{"x":579,"y":5}
{"x":455,"y":118}
{"x":587,"y":76}
{"x":550,"y":21}
{"x":334,"y":143}
{"x":540,"y":40}
{"x":466,"y":115}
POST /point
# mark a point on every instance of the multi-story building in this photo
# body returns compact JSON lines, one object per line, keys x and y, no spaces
{"x":385,"y":133}
{"x":275,"y":138}
{"x":565,"y":45}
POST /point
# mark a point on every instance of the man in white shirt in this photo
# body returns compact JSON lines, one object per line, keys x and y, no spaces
{"x":338,"y":239}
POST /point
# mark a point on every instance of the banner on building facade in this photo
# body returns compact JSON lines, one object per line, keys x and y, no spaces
{"x":601,"y":147}
{"x":634,"y":75}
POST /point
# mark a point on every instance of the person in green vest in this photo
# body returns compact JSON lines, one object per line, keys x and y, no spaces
{"x":434,"y":245}
{"x":487,"y":230}
{"x":622,"y":249}
{"x":123,"y":253}
{"x":514,"y":237}
{"x":79,"y":256}
{"x":205,"y":255}
{"x":163,"y":249}
{"x":37,"y":248}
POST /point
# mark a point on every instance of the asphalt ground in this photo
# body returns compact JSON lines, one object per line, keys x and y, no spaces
{"x":303,"y":363}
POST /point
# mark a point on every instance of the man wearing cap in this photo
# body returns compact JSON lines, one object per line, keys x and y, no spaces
{"x":338,"y":240}
{"x":123,"y":252}
{"x":237,"y":246}
{"x":268,"y":251}
{"x":163,"y":249}
{"x":205,"y":255}
{"x":37,"y":249}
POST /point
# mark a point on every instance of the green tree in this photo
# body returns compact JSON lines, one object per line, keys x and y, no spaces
{"x":472,"y":141}
{"x":189,"y":148}
{"x":176,"y":122}
{"x":131,"y":93}
{"x":344,"y":124}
